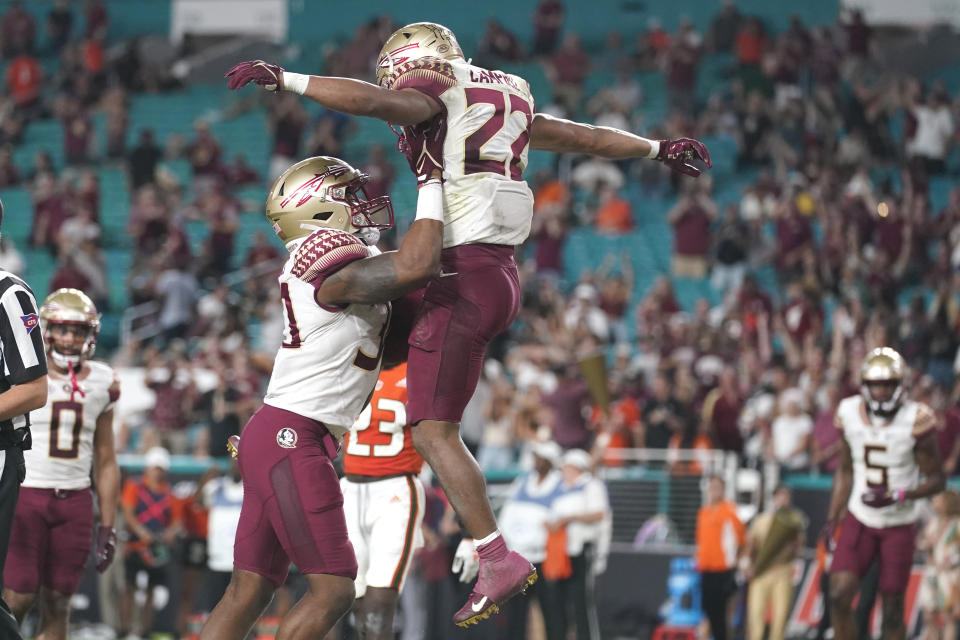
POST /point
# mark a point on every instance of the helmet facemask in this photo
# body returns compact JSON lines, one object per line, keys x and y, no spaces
{"x":64,"y":356}
{"x":881,"y":381}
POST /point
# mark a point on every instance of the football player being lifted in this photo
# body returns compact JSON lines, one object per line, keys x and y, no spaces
{"x":888,"y":460}
{"x":335,"y":290}
{"x":487,"y":124}
{"x":54,"y":521}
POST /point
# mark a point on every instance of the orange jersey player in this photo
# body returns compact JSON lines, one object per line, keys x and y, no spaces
{"x":382,"y":500}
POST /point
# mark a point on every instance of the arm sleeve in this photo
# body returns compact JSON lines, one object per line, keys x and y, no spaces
{"x":21,"y":340}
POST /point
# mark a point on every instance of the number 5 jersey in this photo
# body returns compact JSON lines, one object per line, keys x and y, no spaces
{"x":63,"y":430}
{"x":483,"y":152}
{"x":882,"y":454}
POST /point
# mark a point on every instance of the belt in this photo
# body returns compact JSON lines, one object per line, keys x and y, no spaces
{"x":366,"y":479}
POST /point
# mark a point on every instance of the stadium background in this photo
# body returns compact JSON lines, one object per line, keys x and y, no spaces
{"x":810,"y":127}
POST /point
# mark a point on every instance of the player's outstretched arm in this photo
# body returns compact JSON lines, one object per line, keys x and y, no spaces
{"x":355,"y":97}
{"x":390,"y":275}
{"x":927,"y":454}
{"x":564,"y":136}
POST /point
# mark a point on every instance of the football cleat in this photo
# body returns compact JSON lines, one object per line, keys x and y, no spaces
{"x":498,"y":582}
{"x":233,"y":446}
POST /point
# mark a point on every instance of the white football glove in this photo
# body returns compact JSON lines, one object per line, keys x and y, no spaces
{"x":466,"y":562}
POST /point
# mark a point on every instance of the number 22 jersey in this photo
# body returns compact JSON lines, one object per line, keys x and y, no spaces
{"x":484,"y":152}
{"x":882,"y":454}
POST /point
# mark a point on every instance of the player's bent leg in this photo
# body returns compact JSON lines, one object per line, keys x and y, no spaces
{"x":843,"y":589}
{"x":893,"y":626}
{"x":19,"y":603}
{"x":328,"y":599}
{"x":375,"y":612}
{"x":245,"y":599}
{"x":54,"y":615}
{"x":460,"y":476}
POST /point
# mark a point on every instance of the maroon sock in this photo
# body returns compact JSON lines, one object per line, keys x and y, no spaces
{"x":494,"y":551}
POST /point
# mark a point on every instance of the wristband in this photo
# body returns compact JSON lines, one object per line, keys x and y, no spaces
{"x":295,"y":82}
{"x":899,"y":495}
{"x":654,"y":147}
{"x":430,"y":201}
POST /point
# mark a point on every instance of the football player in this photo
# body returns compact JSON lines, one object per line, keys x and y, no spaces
{"x":888,"y":460}
{"x":487,"y":123}
{"x":383,"y":501}
{"x":53,"y":524}
{"x":335,"y":290}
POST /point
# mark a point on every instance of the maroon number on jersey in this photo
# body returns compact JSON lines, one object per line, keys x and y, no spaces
{"x":473,"y":159}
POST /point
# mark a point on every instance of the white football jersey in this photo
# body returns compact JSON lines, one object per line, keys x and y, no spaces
{"x":62,"y":453}
{"x":330,"y":358}
{"x":488,"y":115}
{"x":883,"y":455}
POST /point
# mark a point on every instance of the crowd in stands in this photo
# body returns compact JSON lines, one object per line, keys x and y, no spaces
{"x":836,"y":207}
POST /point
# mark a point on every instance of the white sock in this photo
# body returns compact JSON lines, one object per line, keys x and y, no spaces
{"x":490,"y":538}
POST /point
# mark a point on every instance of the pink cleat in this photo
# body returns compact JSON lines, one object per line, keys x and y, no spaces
{"x":498,"y":582}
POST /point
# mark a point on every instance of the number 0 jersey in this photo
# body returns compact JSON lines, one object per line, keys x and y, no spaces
{"x":330,"y":357}
{"x":882,"y":454}
{"x":380,"y":443}
{"x":63,"y":430}
{"x":488,"y":116}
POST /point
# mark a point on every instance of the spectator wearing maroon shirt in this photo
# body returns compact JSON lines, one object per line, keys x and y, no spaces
{"x":118,"y":123}
{"x":567,"y":404}
{"x":260,"y":250}
{"x":547,"y":23}
{"x":683,"y":58}
{"x":287,"y":120}
{"x":18,"y":31}
{"x":50,"y":210}
{"x":9,"y":174}
{"x":77,"y":134}
{"x":204,"y":151}
{"x":802,"y":315}
{"x":720,"y":416}
{"x":240,"y":172}
{"x":691,"y":218}
{"x":381,"y":172}
{"x":498,"y":45}
{"x":794,"y":238}
{"x":859,"y":35}
{"x":171,"y":380}
{"x":97,"y":19}
{"x":222,"y":215}
{"x":68,"y":275}
{"x":948,"y":439}
{"x":567,"y":69}
{"x":87,"y":193}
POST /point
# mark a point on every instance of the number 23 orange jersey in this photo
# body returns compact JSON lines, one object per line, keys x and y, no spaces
{"x":380,"y":443}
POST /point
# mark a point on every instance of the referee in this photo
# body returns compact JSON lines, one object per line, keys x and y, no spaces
{"x":23,"y":387}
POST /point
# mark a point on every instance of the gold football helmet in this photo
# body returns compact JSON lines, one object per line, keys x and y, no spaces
{"x":73,"y":308}
{"x":324,"y":192}
{"x":417,"y":40}
{"x":881,"y":381}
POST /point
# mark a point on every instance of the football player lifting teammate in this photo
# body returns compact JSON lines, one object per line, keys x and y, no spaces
{"x":335,"y":290}
{"x":485,"y":123}
{"x":53,"y":524}
{"x":888,"y":459}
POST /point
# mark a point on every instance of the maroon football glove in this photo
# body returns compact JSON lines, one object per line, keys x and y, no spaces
{"x":269,"y":76}
{"x":106,"y":547}
{"x":422,"y":144}
{"x":879,"y":497}
{"x":677,"y":154}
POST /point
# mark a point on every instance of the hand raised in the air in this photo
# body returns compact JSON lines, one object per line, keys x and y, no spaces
{"x":267,"y":75}
{"x":678,"y":154}
{"x":106,"y":547}
{"x":422,"y":144}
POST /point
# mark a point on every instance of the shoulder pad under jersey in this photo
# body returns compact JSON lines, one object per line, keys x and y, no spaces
{"x":324,"y":251}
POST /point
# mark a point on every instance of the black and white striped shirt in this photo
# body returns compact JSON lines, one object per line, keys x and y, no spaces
{"x":21,"y":342}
